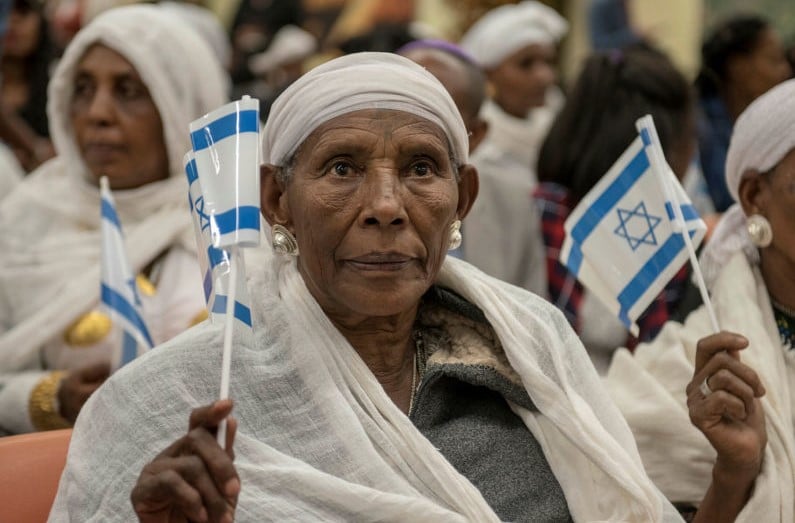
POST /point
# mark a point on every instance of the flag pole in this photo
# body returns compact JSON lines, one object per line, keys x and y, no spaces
{"x":228,"y":331}
{"x":663,"y":171}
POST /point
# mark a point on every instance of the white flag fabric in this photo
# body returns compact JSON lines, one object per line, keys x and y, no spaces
{"x":226,"y":151}
{"x":214,"y":262}
{"x":118,"y":289}
{"x":622,"y":241}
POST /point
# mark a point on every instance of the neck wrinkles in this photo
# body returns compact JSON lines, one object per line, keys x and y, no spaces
{"x":779,"y":276}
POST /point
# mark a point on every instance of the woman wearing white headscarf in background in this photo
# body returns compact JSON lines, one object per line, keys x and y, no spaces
{"x":383,"y":380}
{"x":121,"y":99}
{"x":739,"y":389}
{"x":516,"y":47}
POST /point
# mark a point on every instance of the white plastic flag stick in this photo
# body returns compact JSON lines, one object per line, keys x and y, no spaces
{"x":226,"y":363}
{"x":646,"y":128}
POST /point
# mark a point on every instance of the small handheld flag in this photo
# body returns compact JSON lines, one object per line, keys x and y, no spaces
{"x":622,"y":241}
{"x":118,"y":289}
{"x":226,"y":152}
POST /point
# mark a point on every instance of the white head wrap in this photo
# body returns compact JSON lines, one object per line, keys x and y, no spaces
{"x":49,"y":225}
{"x":508,"y":28}
{"x":763,"y":134}
{"x":356,"y":82}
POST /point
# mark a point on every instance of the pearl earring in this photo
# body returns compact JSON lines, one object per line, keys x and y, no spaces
{"x":283,"y":241}
{"x":759,"y":230}
{"x":455,"y":236}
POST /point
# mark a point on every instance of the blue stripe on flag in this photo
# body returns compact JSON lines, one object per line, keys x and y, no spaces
{"x":109,"y":213}
{"x":190,"y":170}
{"x":215,"y":255}
{"x":225,"y":127}
{"x":645,"y":136}
{"x":688,"y":211}
{"x":119,"y":303}
{"x":603,"y":205}
{"x":242,"y":312}
{"x":650,"y":271}
{"x":246,"y":217}
{"x":207,"y":284}
{"x":129,"y":349}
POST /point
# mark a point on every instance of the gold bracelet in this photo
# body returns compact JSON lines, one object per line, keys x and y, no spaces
{"x":41,"y":405}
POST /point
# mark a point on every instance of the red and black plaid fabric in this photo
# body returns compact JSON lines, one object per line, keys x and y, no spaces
{"x":555,"y":204}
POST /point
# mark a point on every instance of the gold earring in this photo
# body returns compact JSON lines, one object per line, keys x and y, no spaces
{"x":455,"y":236}
{"x":283,"y":241}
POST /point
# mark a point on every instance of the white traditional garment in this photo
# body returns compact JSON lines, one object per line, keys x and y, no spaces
{"x":649,"y":388}
{"x":11,"y":172}
{"x":318,"y":437}
{"x":763,"y":134}
{"x":504,"y":218}
{"x":50,"y":224}
{"x":508,"y":28}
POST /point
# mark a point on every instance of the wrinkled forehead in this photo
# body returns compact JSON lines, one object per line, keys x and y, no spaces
{"x":399,"y":127}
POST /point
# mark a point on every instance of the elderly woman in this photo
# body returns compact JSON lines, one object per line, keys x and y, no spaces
{"x":383,"y":380}
{"x":120,"y":103}
{"x":739,"y":388}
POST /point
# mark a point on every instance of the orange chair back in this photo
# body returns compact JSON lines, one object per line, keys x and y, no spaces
{"x":30,"y":468}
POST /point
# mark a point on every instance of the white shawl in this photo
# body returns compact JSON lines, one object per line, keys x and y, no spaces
{"x":319,"y":439}
{"x":49,"y":226}
{"x":649,"y":388}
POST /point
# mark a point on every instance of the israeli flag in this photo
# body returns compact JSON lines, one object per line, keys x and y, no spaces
{"x":213,"y":262}
{"x":622,"y":240}
{"x":226,"y":149}
{"x":118,"y":289}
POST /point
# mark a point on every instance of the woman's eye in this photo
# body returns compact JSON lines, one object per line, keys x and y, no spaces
{"x":129,"y":90}
{"x":421,"y":169}
{"x":340,"y":168}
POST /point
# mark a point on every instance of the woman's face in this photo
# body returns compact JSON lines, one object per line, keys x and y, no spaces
{"x":23,"y":29}
{"x":765,"y":67}
{"x":777,"y":204}
{"x":522,"y":79}
{"x":371,"y":199}
{"x":116,"y":124}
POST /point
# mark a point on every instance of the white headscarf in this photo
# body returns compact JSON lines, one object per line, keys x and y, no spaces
{"x":355,"y":82}
{"x":49,"y":226}
{"x":763,"y":134}
{"x":508,"y":28}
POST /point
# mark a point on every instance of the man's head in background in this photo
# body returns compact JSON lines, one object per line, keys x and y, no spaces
{"x":459,"y":74}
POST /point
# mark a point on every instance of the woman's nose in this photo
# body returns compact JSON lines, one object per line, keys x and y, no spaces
{"x":101,"y":108}
{"x":384,"y":206}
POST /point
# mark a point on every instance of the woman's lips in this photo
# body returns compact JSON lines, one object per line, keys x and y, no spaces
{"x":101,"y":152}
{"x":380,"y":261}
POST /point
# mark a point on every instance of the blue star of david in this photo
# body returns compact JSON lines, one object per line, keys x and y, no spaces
{"x":134,"y":287}
{"x":637,"y":226}
{"x":204,"y":218}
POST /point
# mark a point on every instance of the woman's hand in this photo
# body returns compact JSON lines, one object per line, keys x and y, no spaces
{"x":194,"y":478}
{"x":727,"y":410}
{"x":77,"y":386}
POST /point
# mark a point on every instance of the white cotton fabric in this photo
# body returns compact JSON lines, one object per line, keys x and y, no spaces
{"x":319,"y":439}
{"x":649,"y":388}
{"x":355,"y":82}
{"x":49,"y":225}
{"x":763,"y":134}
{"x":508,"y":28}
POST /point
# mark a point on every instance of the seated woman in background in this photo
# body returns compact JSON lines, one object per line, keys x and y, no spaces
{"x":739,"y":388}
{"x":595,"y":126}
{"x":120,"y":103}
{"x":383,"y":379}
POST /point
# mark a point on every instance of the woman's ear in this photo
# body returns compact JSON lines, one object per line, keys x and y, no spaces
{"x":468,"y":185}
{"x":752,"y":192}
{"x":273,"y":196}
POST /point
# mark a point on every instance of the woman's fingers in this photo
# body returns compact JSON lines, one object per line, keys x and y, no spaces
{"x":231,"y":432}
{"x":158,"y":491}
{"x":714,"y":344}
{"x":216,"y":460}
{"x":209,"y":416}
